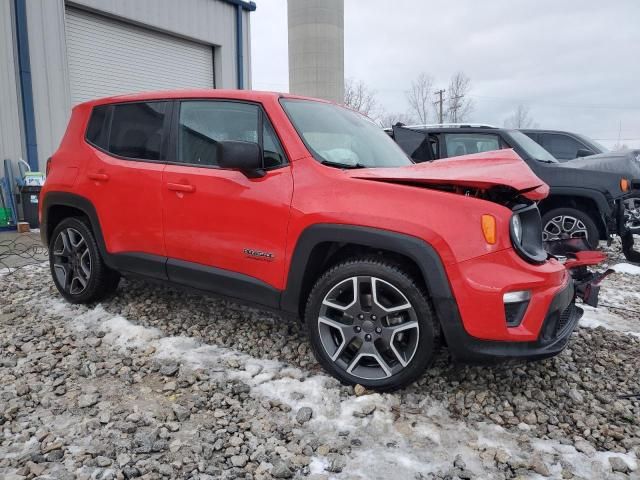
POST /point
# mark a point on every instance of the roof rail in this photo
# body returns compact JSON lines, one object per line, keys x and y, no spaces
{"x":451,"y":125}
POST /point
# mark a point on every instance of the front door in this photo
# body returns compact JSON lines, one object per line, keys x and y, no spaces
{"x":224,"y":231}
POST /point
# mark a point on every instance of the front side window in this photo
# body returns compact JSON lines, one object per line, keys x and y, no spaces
{"x":468,"y":143}
{"x":203,"y":124}
{"x":533,"y":149}
{"x":562,"y":147}
{"x":341,"y":137}
{"x":137,"y":130}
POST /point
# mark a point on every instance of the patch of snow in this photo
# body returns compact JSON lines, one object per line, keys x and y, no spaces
{"x":626,"y":268}
{"x":393,"y":443}
{"x":602,"y":317}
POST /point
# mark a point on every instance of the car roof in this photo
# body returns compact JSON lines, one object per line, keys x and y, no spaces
{"x":456,"y":129}
{"x":544,"y":130}
{"x":213,"y":93}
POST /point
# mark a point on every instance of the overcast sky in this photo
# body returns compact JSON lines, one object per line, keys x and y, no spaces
{"x":575,"y":63}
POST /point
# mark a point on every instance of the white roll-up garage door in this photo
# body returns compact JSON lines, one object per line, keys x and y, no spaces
{"x":109,"y":57}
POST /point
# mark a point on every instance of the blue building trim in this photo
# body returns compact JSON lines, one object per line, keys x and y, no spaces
{"x":248,"y":6}
{"x":26,"y":88}
{"x":239,"y":47}
{"x":241,"y":5}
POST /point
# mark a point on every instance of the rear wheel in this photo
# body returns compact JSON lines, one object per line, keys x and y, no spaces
{"x":78,"y":270}
{"x":566,"y":223}
{"x":370,"y":323}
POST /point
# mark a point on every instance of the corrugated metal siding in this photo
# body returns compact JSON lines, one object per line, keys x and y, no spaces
{"x":108,"y":57}
{"x":49,"y":74}
{"x":208,"y":21}
{"x":10,"y":140}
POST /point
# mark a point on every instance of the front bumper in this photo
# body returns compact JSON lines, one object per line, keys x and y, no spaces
{"x":560,"y":321}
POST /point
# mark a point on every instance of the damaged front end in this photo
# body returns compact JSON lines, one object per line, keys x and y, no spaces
{"x":577,"y":258}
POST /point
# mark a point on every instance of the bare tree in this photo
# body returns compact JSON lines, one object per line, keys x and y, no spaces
{"x":360,"y":97}
{"x":420,"y":97}
{"x":459,"y":106}
{"x":521,"y":118}
{"x":389,"y":119}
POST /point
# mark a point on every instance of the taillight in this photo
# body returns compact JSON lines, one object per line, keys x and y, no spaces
{"x":48,"y":167}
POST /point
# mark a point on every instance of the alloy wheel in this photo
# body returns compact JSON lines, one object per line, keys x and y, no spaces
{"x":564,"y":227}
{"x":368,"y":327}
{"x":632,"y":214}
{"x":71,"y":261}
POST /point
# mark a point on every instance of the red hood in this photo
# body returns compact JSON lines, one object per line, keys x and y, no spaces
{"x":481,"y":170}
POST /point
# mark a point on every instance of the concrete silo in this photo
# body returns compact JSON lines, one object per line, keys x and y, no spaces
{"x":316,"y":48}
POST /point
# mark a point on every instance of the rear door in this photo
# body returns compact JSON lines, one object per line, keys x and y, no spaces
{"x":125,"y":179}
{"x":224,"y":231}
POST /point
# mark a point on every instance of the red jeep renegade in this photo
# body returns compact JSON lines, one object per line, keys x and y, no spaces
{"x":308,"y":208}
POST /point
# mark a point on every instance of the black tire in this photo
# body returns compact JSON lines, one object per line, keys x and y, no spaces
{"x":560,"y":221}
{"x":419,"y":343}
{"x":99,"y":283}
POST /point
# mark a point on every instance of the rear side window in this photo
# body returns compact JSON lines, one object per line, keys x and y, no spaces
{"x":137,"y":130}
{"x":98,"y":130}
{"x":469,"y":143}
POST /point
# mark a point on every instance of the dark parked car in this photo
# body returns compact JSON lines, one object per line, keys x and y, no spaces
{"x":565,"y":146}
{"x":586,"y":202}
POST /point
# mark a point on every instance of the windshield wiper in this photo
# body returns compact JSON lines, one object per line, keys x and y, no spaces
{"x":342,"y":165}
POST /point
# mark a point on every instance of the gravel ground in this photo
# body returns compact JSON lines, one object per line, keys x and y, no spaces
{"x":159,"y":383}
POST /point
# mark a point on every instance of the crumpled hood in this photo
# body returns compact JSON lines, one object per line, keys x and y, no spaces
{"x":482,"y":170}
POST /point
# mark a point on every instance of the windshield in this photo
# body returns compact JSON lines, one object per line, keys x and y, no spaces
{"x":341,"y":137}
{"x":531,"y":147}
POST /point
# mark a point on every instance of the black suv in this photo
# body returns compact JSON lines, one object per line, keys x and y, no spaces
{"x":583,"y":203}
{"x":564,"y":146}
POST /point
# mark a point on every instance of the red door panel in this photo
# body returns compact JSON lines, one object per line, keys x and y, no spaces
{"x":223,"y":219}
{"x":127,"y":197}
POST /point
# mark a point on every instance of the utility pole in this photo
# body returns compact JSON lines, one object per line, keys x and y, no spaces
{"x":441,"y":102}
{"x":454,"y":106}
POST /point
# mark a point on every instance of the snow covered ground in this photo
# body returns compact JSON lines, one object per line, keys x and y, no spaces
{"x":556,"y":419}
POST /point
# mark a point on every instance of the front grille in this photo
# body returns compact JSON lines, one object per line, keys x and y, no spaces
{"x":556,"y":323}
{"x":565,"y":318}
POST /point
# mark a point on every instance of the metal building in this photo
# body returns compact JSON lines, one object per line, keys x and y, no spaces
{"x":316,"y":48}
{"x":57,"y":53}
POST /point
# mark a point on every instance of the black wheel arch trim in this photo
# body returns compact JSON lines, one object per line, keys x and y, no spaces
{"x":420,"y":252}
{"x":605,"y":205}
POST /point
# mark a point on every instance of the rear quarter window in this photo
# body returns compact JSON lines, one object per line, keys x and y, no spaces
{"x":97,"y":129}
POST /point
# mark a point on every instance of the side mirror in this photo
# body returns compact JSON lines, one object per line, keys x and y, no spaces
{"x":583,"y":152}
{"x":243,"y":156}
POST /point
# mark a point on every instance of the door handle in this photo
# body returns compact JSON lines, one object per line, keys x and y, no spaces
{"x":99,"y":177}
{"x":181,"y":187}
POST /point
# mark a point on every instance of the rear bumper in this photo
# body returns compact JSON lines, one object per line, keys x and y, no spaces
{"x":560,"y":321}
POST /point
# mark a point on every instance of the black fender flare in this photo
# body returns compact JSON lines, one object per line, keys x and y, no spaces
{"x":53,"y":199}
{"x":134,"y":262}
{"x":605,"y":206}
{"x":419,"y":251}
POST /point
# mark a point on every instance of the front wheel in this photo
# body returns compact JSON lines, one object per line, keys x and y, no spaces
{"x":77,"y":268}
{"x":370,"y":323}
{"x":566,"y":223}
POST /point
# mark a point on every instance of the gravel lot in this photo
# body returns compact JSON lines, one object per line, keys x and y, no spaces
{"x":159,"y":383}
